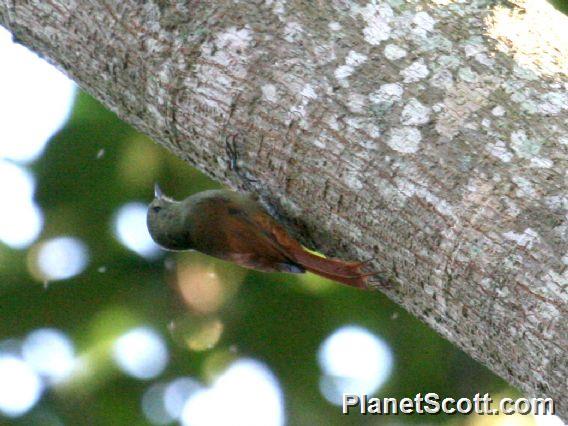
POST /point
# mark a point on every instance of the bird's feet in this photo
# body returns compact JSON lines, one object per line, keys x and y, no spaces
{"x":233,"y":156}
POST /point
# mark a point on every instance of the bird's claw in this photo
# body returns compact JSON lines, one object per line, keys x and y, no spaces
{"x":233,"y":156}
{"x":231,"y":150}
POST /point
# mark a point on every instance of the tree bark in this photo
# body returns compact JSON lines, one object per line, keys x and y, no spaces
{"x":425,"y":134}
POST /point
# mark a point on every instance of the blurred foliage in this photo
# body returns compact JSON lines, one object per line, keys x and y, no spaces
{"x":94,"y":165}
{"x":561,"y":5}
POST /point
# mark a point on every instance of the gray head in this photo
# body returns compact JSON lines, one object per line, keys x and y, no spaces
{"x":165,"y":222}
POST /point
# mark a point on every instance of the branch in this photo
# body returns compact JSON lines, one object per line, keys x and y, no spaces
{"x":424,"y":134}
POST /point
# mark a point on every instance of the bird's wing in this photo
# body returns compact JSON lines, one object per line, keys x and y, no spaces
{"x":257,"y":235}
{"x":262,"y":243}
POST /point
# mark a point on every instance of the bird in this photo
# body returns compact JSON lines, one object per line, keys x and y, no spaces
{"x":234,"y":227}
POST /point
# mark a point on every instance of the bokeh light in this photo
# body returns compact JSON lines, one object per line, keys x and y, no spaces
{"x":35,"y":92}
{"x":153,"y":405}
{"x":205,"y":336}
{"x":141,"y":353}
{"x":163,"y":403}
{"x":61,"y":258}
{"x":248,"y":393}
{"x":200,"y":287}
{"x":21,"y":219}
{"x":353,"y":361}
{"x":20,"y":386}
{"x":178,"y":393}
{"x":131,"y":230}
{"x":548,"y":420}
{"x":50,"y":353}
{"x":197,"y":333}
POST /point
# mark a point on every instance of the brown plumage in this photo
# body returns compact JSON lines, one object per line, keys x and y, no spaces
{"x":234,"y":227}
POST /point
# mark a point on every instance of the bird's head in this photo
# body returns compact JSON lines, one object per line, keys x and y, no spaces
{"x":165,"y":222}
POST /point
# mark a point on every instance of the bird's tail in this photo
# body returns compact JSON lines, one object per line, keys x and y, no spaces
{"x":348,"y":273}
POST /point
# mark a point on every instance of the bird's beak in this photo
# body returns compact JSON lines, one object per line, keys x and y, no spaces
{"x":158,"y":192}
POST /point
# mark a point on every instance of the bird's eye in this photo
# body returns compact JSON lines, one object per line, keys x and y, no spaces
{"x":156,"y":209}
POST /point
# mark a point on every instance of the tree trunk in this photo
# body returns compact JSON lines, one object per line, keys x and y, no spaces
{"x":426,"y":134}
